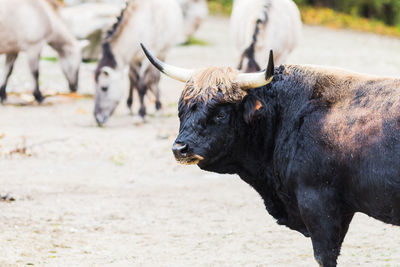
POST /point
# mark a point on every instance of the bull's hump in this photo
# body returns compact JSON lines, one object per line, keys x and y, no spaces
{"x":361,"y":111}
{"x":329,"y":70}
{"x":334,"y":85}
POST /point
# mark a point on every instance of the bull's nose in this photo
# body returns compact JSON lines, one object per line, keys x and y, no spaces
{"x":180,"y":150}
{"x":100,"y":119}
{"x":73,"y":87}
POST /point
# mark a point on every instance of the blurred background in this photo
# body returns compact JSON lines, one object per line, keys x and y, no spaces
{"x":341,"y":13}
{"x":75,"y":194}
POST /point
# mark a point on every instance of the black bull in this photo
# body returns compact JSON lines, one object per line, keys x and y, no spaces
{"x":318,"y":145}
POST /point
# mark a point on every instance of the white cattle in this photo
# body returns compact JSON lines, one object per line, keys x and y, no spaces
{"x":258,"y":26}
{"x":194,"y":12}
{"x":158,"y":24}
{"x":27,"y":25}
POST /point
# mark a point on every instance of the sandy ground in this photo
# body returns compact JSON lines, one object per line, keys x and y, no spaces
{"x":114,"y":196}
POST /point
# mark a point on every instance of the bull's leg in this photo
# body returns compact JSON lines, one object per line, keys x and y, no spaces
{"x":133,"y":80}
{"x":34,"y":57}
{"x":345,"y":223}
{"x":155,"y":88}
{"x":143,"y":85}
{"x":9,"y":66}
{"x":142,"y":92}
{"x":327,"y":225}
{"x":129,"y":102}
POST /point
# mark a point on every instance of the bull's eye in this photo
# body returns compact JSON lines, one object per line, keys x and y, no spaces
{"x":105,"y":73}
{"x":104,"y":88}
{"x":220,"y":116}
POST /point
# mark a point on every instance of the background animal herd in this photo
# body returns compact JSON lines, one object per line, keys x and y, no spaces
{"x":169,"y":23}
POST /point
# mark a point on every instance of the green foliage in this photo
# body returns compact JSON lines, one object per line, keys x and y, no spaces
{"x":333,"y":19}
{"x":221,"y":7}
{"x":387,"y":11}
{"x":349,"y":14}
{"x":51,"y":59}
{"x":195,"y":41}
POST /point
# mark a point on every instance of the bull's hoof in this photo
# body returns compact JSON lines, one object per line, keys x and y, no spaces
{"x":129,"y":103}
{"x":38,"y":96}
{"x":158,"y":105}
{"x":73,"y":88}
{"x":3,"y":95}
{"x":142,"y":112}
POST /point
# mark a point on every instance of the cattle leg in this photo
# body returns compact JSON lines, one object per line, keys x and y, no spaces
{"x":155,"y":80}
{"x":143,"y":84}
{"x":142,"y":92}
{"x":154,"y":77}
{"x":129,"y":102}
{"x":133,"y":80}
{"x":9,"y":66}
{"x":345,"y":223}
{"x":149,"y":78}
{"x":327,"y":225}
{"x":34,"y":57}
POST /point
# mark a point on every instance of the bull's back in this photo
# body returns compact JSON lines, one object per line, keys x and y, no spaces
{"x":362,"y":133}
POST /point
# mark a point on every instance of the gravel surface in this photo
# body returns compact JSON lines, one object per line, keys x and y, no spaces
{"x":114,"y":196}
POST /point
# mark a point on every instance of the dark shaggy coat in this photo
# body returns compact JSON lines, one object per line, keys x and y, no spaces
{"x":317,"y":144}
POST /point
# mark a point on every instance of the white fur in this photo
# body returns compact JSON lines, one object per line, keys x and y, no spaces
{"x":155,"y":23}
{"x":112,"y":80}
{"x":27,"y":25}
{"x":194,"y":12}
{"x":281,"y":33}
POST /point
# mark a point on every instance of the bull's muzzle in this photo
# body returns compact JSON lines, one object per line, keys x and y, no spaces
{"x":101,"y":119}
{"x":183,"y":154}
{"x":73,"y":87}
{"x":180,"y":150}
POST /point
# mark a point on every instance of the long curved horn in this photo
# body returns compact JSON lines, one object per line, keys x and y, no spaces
{"x":180,"y":74}
{"x":249,"y":81}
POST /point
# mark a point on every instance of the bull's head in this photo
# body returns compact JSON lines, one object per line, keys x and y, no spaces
{"x":214,"y":104}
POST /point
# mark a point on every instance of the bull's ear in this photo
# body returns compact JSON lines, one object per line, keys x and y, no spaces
{"x":251,"y":106}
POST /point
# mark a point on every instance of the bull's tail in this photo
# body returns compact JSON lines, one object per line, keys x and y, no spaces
{"x":248,"y":62}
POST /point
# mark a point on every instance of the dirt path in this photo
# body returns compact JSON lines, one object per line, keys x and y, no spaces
{"x":114,"y":196}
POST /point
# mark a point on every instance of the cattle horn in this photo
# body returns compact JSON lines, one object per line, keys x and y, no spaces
{"x":248,"y":81}
{"x":176,"y":73}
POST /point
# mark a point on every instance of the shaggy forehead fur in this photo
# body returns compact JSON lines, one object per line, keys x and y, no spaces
{"x":213,"y":83}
